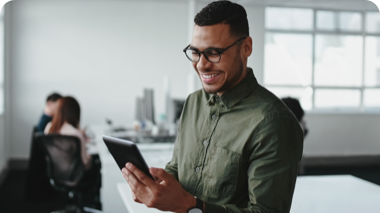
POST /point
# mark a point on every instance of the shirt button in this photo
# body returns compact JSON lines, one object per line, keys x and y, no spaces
{"x":197,"y":169}
{"x":205,"y":143}
{"x":213,"y":117}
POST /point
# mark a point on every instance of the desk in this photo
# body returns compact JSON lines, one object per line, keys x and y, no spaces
{"x":335,"y":193}
{"x":313,"y":194}
{"x":155,"y":155}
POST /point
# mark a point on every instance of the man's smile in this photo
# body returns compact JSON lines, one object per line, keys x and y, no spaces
{"x":210,"y":78}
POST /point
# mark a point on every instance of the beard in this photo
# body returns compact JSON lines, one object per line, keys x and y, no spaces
{"x":234,"y":78}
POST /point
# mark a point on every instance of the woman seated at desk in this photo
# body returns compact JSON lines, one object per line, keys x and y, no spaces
{"x":66,"y":122}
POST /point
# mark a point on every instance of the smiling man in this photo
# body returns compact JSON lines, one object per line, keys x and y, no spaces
{"x":238,"y":146}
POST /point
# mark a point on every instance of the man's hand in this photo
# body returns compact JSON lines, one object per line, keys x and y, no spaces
{"x":165,"y":194}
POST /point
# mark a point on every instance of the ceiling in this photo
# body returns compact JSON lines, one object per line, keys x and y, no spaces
{"x":356,"y":5}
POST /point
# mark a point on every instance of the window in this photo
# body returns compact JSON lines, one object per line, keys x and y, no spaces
{"x":326,"y":20}
{"x":338,"y":60}
{"x":288,"y":19}
{"x":1,"y":62}
{"x":373,"y":22}
{"x":326,"y":59}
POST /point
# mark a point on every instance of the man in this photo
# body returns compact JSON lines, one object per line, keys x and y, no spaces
{"x":238,"y":146}
{"x":50,"y":107}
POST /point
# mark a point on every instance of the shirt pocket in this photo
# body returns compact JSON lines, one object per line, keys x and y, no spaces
{"x":222,"y":173}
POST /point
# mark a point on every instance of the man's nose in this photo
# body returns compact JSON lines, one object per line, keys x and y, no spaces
{"x":203,"y":63}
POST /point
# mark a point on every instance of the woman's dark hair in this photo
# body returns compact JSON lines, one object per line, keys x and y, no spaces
{"x":224,"y":12}
{"x":68,"y":111}
{"x":294,"y":106}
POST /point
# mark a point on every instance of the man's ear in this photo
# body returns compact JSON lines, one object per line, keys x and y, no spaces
{"x":247,"y":46}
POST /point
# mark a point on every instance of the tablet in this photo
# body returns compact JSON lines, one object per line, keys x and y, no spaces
{"x":124,"y":151}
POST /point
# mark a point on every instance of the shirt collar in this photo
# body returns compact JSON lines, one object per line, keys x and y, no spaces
{"x":237,"y":93}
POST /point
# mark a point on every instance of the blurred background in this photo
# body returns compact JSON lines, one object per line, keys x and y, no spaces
{"x":107,"y":52}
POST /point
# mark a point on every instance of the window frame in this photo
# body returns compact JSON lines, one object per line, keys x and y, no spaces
{"x":314,"y":32}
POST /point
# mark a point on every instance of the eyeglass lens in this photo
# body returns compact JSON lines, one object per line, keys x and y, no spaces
{"x":211,"y":55}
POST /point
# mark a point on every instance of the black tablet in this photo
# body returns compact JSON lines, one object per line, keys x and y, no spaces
{"x":124,"y":151}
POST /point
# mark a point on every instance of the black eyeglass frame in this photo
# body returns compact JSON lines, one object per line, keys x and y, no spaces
{"x":220,"y":51}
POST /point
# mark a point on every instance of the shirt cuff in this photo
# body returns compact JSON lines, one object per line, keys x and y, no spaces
{"x":212,"y":208}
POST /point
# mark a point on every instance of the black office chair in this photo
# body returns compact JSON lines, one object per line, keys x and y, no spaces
{"x":37,"y":186}
{"x":295,"y":107}
{"x":65,"y":168}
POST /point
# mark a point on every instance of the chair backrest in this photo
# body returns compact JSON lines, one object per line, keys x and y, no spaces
{"x":64,"y":162}
{"x":35,"y":129}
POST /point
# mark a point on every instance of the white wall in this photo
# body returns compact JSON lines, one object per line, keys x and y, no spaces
{"x":5,"y":117}
{"x":3,"y":155}
{"x":103,"y":53}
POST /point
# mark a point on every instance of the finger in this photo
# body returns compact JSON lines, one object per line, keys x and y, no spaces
{"x":141,"y":176}
{"x":135,"y":185}
{"x":133,"y":182}
{"x":124,"y":172}
{"x":158,"y":180}
{"x":135,"y":198}
{"x":161,"y":174}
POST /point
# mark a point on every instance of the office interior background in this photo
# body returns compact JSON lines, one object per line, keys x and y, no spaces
{"x":104,"y":53}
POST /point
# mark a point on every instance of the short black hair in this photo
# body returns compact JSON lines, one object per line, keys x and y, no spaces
{"x":224,"y":12}
{"x":53,"y":97}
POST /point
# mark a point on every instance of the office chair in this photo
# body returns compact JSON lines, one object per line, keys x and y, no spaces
{"x":295,"y":107}
{"x":65,"y":168}
{"x":37,"y":186}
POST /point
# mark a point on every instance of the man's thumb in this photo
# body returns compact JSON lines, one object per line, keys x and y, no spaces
{"x":160,"y":173}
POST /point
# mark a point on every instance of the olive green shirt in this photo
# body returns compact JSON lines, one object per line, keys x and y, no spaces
{"x":238,"y":152}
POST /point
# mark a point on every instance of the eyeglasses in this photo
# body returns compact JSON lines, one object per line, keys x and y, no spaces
{"x":212,"y":55}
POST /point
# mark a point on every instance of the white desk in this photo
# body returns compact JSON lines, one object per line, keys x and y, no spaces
{"x":155,"y":155}
{"x":313,"y":194}
{"x":335,"y":193}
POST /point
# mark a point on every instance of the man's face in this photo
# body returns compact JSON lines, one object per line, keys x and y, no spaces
{"x":51,"y":107}
{"x":230,"y":70}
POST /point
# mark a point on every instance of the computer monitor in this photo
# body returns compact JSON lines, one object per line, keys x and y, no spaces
{"x":138,"y":111}
{"x":148,"y":105}
{"x":177,"y":109}
{"x":144,"y":108}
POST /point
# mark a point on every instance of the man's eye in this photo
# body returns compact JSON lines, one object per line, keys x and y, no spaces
{"x":212,"y":53}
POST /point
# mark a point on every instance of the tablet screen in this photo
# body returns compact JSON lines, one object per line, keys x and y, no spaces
{"x":124,"y":151}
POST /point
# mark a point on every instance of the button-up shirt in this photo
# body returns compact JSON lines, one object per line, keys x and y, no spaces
{"x":238,"y":152}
